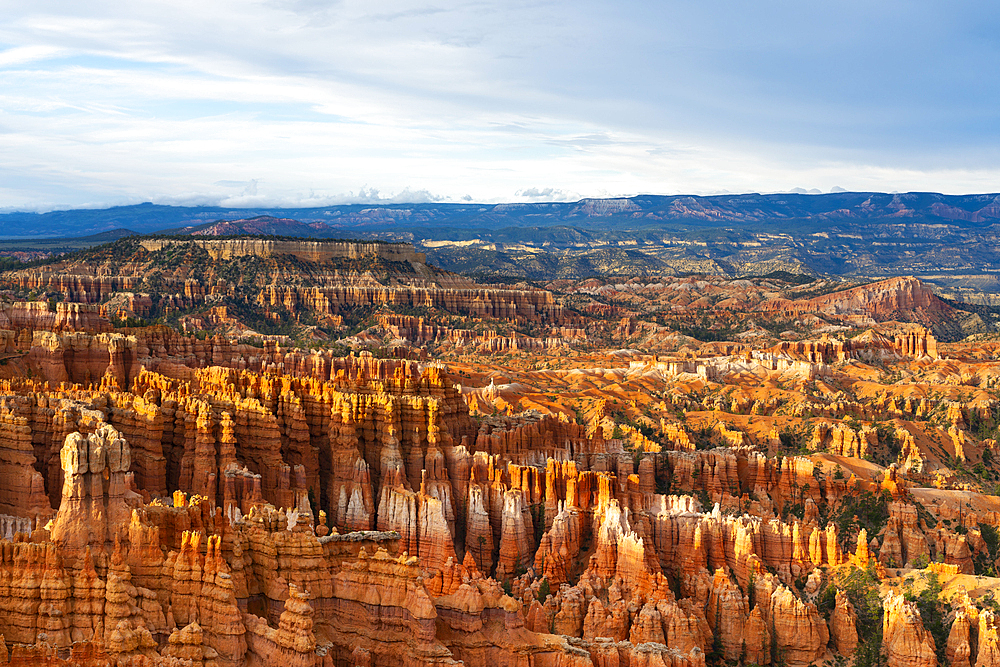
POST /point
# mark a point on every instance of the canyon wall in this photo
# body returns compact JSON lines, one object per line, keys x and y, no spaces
{"x":310,"y":251}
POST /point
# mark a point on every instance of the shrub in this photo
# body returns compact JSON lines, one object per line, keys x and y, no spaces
{"x":864,"y":510}
{"x":827,"y":600}
{"x":543,"y":591}
{"x":933,"y":613}
{"x":861,"y":588}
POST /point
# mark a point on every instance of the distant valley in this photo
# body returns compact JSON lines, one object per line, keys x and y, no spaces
{"x":948,"y":241}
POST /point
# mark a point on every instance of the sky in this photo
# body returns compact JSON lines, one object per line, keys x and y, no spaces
{"x":315,"y":102}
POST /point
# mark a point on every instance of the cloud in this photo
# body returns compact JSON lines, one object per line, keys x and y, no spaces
{"x":321,"y":100}
{"x":248,"y":187}
{"x":406,"y":14}
{"x":24,"y":55}
{"x":373,"y":196}
{"x":251,"y":198}
{"x":546,"y":194}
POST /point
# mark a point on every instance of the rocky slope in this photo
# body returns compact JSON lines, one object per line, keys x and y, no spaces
{"x":261,"y":285}
{"x":170,"y":499}
{"x":162,"y":486}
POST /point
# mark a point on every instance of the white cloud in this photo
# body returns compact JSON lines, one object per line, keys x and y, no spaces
{"x":546,"y":194}
{"x":313,"y":101}
{"x":23,"y":55}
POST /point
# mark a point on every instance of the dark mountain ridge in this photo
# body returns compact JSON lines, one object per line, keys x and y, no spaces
{"x":657,"y":211}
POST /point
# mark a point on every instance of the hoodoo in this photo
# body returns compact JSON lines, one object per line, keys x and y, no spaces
{"x":247,"y":452}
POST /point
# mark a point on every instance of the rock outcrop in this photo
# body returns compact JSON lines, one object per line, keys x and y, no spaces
{"x":94,"y":510}
{"x":844,"y":625}
{"x":904,"y":639}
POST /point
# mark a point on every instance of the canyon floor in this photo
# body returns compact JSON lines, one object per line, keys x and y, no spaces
{"x":256,"y":451}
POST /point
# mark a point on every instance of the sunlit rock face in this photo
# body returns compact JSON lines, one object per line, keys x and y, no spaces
{"x":526,"y":489}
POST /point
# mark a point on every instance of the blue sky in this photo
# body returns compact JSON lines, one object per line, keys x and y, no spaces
{"x":309,"y":102}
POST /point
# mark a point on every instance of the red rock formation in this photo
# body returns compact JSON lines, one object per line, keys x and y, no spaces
{"x":254,"y":443}
{"x":292,"y":642}
{"x":124,"y":626}
{"x":959,"y":650}
{"x":326,"y":294}
{"x":559,"y":546}
{"x":800,"y":633}
{"x":90,"y":513}
{"x":905,"y":641}
{"x":758,"y":638}
{"x":727,"y":615}
{"x":843,"y":625}
{"x":988,"y":649}
{"x":23,"y":491}
{"x":23,"y":570}
{"x":516,"y":548}
{"x":896,"y":298}
{"x":383,"y":593}
{"x":60,"y":316}
{"x":478,"y":532}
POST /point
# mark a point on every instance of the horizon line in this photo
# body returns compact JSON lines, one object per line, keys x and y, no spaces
{"x":391,"y":201}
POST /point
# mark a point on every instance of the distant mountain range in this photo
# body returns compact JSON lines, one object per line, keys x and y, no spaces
{"x":646,"y":211}
{"x":951,"y":241}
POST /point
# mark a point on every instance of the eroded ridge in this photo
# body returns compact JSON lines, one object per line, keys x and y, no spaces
{"x":522,"y":490}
